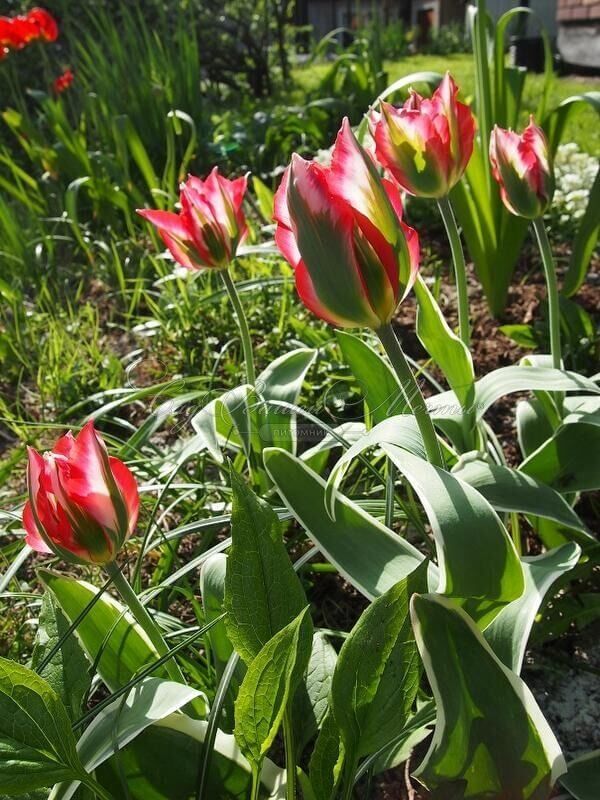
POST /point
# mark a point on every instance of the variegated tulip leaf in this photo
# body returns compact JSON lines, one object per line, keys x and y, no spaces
{"x":559,"y":463}
{"x":263,"y":594}
{"x":212,"y":592}
{"x":269,"y":686}
{"x":378,"y":383}
{"x":444,"y":346}
{"x":377,"y":672}
{"x":583,"y":777}
{"x":490,"y":739}
{"x":372,"y":570}
{"x":479,"y":566}
{"x":509,"y":632}
{"x":107,"y":633}
{"x":511,"y":490}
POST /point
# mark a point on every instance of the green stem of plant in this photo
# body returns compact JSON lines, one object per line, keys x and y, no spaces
{"x":552,"y":289}
{"x":143,"y":619}
{"x":242,"y":324}
{"x":460,"y":269}
{"x":412,"y":392}
{"x":516,"y":532}
{"x":290,"y":756}
{"x":255,"y":791}
{"x":348,"y":790}
{"x":390,"y":487}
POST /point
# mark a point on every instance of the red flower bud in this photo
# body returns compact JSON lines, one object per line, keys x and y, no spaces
{"x":522,"y":167}
{"x":341,"y":229}
{"x":83,"y":504}
{"x":46,"y":24}
{"x":210,"y":226}
{"x":63,"y":81}
{"x":426,"y":145}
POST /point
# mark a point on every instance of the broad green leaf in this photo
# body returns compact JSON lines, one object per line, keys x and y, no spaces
{"x":377,"y":672}
{"x":510,"y":490}
{"x":212,"y":592}
{"x":68,"y":671}
{"x":444,"y":346}
{"x":119,"y":723}
{"x":583,"y":777}
{"x":582,"y":409}
{"x":508,"y":380}
{"x":479,"y":566}
{"x":148,"y":775}
{"x":108,"y":632}
{"x":263,"y":594}
{"x":37,"y":746}
{"x":281,"y":381}
{"x":509,"y":632}
{"x":533,"y":426}
{"x":561,"y":462}
{"x":317,"y":457}
{"x":327,"y":760}
{"x":311,"y":698}
{"x":400,"y":430}
{"x":491,"y":739}
{"x":373,"y":569}
{"x":269,"y":686}
{"x":377,"y":381}
{"x":585,"y":242}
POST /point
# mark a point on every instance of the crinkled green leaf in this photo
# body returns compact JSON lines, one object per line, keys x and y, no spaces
{"x":311,"y":698}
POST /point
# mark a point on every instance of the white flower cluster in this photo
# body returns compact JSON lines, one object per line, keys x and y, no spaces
{"x":575,"y":172}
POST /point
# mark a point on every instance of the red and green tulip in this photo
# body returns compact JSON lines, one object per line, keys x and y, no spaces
{"x":340,"y":227}
{"x":521,"y":165}
{"x":211,"y":225}
{"x":83,"y":504}
{"x":426,"y":145}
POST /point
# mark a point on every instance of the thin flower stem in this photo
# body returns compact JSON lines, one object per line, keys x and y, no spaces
{"x":390,"y":487}
{"x":143,"y":619}
{"x":255,"y":792}
{"x":460,"y":269}
{"x":412,"y":392}
{"x":552,"y":289}
{"x":243,"y":325}
{"x":290,"y":756}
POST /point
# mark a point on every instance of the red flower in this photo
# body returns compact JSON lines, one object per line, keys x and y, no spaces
{"x":45,"y":23}
{"x":522,"y":167}
{"x":63,"y":81}
{"x":16,"y":32}
{"x":426,"y":144}
{"x":83,"y":504}
{"x":341,"y":229}
{"x":210,"y":226}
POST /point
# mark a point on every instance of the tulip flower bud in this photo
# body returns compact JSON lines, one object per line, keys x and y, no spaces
{"x":340,"y":228}
{"x":426,"y":145}
{"x":83,"y":504}
{"x":521,"y":165}
{"x":210,"y":226}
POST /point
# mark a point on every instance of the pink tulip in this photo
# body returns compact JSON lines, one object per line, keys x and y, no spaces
{"x":83,"y":504}
{"x":341,"y":229}
{"x":211,"y":225}
{"x":522,"y":167}
{"x":426,"y":145}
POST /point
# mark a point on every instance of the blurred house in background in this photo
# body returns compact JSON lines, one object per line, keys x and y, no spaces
{"x":578,"y":39}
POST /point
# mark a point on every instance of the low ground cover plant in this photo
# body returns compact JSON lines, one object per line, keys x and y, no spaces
{"x":181,"y":533}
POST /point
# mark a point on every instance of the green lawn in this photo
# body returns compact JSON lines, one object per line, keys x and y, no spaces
{"x":583,"y":128}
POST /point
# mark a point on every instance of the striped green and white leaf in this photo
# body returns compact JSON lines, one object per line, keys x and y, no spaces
{"x":371,"y":569}
{"x":490,"y":739}
{"x":559,"y":462}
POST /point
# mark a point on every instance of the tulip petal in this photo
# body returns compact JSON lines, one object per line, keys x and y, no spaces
{"x":323,"y":227}
{"x":354,"y":178}
{"x":33,"y":537}
{"x":127,"y":485}
{"x":176,"y":235}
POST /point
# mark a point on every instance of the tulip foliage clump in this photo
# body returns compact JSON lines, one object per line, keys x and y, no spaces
{"x":452,"y":549}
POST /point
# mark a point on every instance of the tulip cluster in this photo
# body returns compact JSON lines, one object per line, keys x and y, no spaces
{"x":19,"y":31}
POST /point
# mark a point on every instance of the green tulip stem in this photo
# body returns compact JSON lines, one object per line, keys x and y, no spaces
{"x":460,"y":268}
{"x":552,"y":289}
{"x":290,"y":756}
{"x":412,"y":392}
{"x":143,"y":618}
{"x":242,"y":324}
